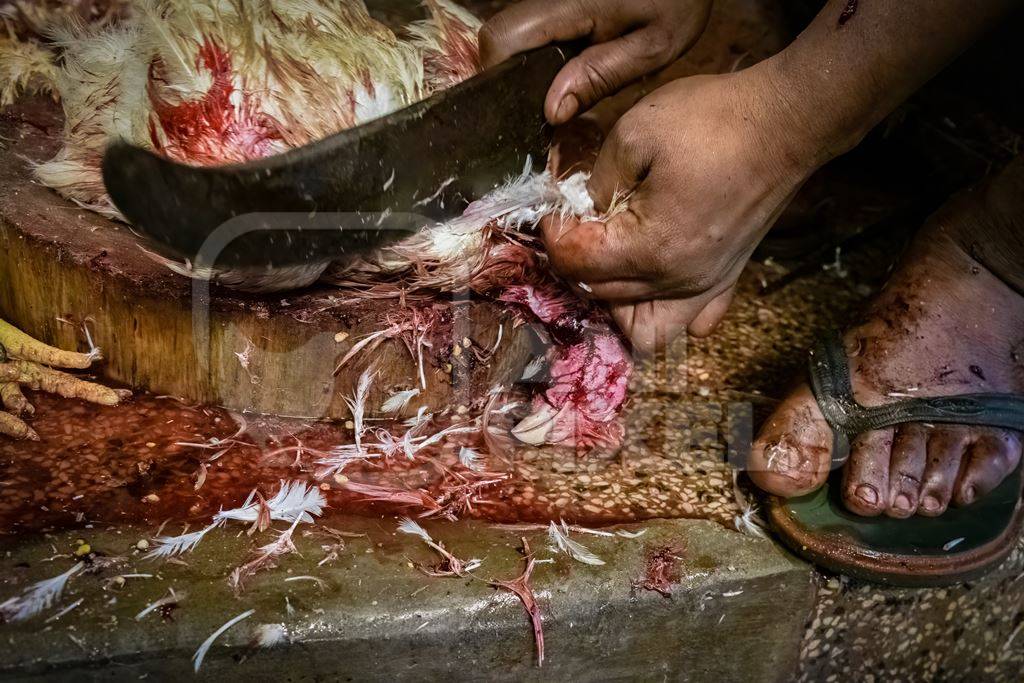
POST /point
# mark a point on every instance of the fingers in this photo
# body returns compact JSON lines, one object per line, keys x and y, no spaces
{"x":595,"y":251}
{"x":622,"y":291}
{"x":711,"y":315}
{"x":534,"y":23}
{"x":618,"y":248}
{"x":603,"y":70}
{"x":623,"y":162}
{"x":652,"y":325}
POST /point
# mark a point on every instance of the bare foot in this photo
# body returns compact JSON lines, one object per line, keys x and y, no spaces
{"x":943,"y":325}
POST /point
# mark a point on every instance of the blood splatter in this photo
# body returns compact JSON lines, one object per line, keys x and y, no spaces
{"x":661,"y":569}
{"x":221,"y":126}
{"x":848,"y":11}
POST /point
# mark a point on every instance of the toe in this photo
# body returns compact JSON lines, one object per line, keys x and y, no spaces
{"x":906,"y":469}
{"x":792,"y":454}
{"x":946,"y":446}
{"x":993,"y":455}
{"x":866,"y":476}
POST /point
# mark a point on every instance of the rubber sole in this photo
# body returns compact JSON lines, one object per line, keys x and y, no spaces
{"x":961,"y":544}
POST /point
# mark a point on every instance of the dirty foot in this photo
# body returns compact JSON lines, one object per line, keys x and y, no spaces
{"x":943,"y":325}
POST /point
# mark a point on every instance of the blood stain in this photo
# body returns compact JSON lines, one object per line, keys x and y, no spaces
{"x":848,"y":12}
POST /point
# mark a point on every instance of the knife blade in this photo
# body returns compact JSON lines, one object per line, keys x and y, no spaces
{"x":352,"y":192}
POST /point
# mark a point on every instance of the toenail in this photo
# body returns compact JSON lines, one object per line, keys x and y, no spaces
{"x":968,"y":495}
{"x":867,"y":494}
{"x":902,"y":503}
{"x":931,"y":504}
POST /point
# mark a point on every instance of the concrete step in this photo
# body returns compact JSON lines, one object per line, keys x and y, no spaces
{"x":736,"y":609}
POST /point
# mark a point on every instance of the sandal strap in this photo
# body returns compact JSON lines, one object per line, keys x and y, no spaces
{"x":830,"y":382}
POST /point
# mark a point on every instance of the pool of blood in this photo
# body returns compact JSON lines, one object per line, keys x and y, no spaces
{"x":141,"y":463}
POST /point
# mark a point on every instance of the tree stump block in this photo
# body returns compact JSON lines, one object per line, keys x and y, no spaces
{"x":62,"y":266}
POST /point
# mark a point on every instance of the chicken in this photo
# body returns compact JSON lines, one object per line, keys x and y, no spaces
{"x":220,"y":81}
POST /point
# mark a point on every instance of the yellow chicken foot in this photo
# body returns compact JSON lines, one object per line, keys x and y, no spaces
{"x":26,"y":362}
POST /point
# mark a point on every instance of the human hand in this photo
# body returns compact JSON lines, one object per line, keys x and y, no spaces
{"x":707,"y":163}
{"x":629,"y":39}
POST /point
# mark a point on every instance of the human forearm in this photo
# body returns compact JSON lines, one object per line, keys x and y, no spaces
{"x":857,"y":61}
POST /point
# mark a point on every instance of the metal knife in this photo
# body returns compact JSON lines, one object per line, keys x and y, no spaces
{"x":350,"y":193}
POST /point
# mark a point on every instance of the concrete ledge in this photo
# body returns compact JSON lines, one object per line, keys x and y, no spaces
{"x":737,"y":611}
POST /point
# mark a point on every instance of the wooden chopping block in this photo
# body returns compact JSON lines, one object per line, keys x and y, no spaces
{"x":61,"y":265}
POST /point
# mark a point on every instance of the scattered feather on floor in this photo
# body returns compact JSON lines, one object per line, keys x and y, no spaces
{"x":266,"y":558}
{"x":749,"y":520}
{"x":450,"y":565}
{"x":408,"y":526}
{"x":399,"y":401}
{"x":172,"y":546}
{"x":171,"y":599}
{"x":953,"y":543}
{"x":294,"y":500}
{"x":421,"y":417}
{"x":197,"y":658}
{"x":357,"y":404}
{"x":622,"y":533}
{"x":37,"y":597}
{"x":560,"y":541}
{"x":269,"y":635}
{"x":630,"y":534}
{"x":470,"y":459}
{"x":341,"y":457}
{"x":64,"y":611}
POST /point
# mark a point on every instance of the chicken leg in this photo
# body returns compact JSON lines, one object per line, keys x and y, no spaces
{"x":26,"y":362}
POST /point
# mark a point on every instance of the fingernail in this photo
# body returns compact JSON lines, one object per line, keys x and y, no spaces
{"x":566,"y":108}
{"x":867,"y":493}
{"x":931,"y":504}
{"x":902,"y":503}
{"x":969,"y":494}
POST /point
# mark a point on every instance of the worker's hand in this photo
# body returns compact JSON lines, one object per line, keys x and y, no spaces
{"x":706,"y":165}
{"x":629,"y":39}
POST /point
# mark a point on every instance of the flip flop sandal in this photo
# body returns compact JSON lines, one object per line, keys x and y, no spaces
{"x":960,"y":544}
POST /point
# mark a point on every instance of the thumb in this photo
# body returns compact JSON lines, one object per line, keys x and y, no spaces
{"x":621,"y":165}
{"x":603,"y":70}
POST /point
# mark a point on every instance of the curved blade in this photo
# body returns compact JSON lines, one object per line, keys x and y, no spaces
{"x":348,"y":193}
